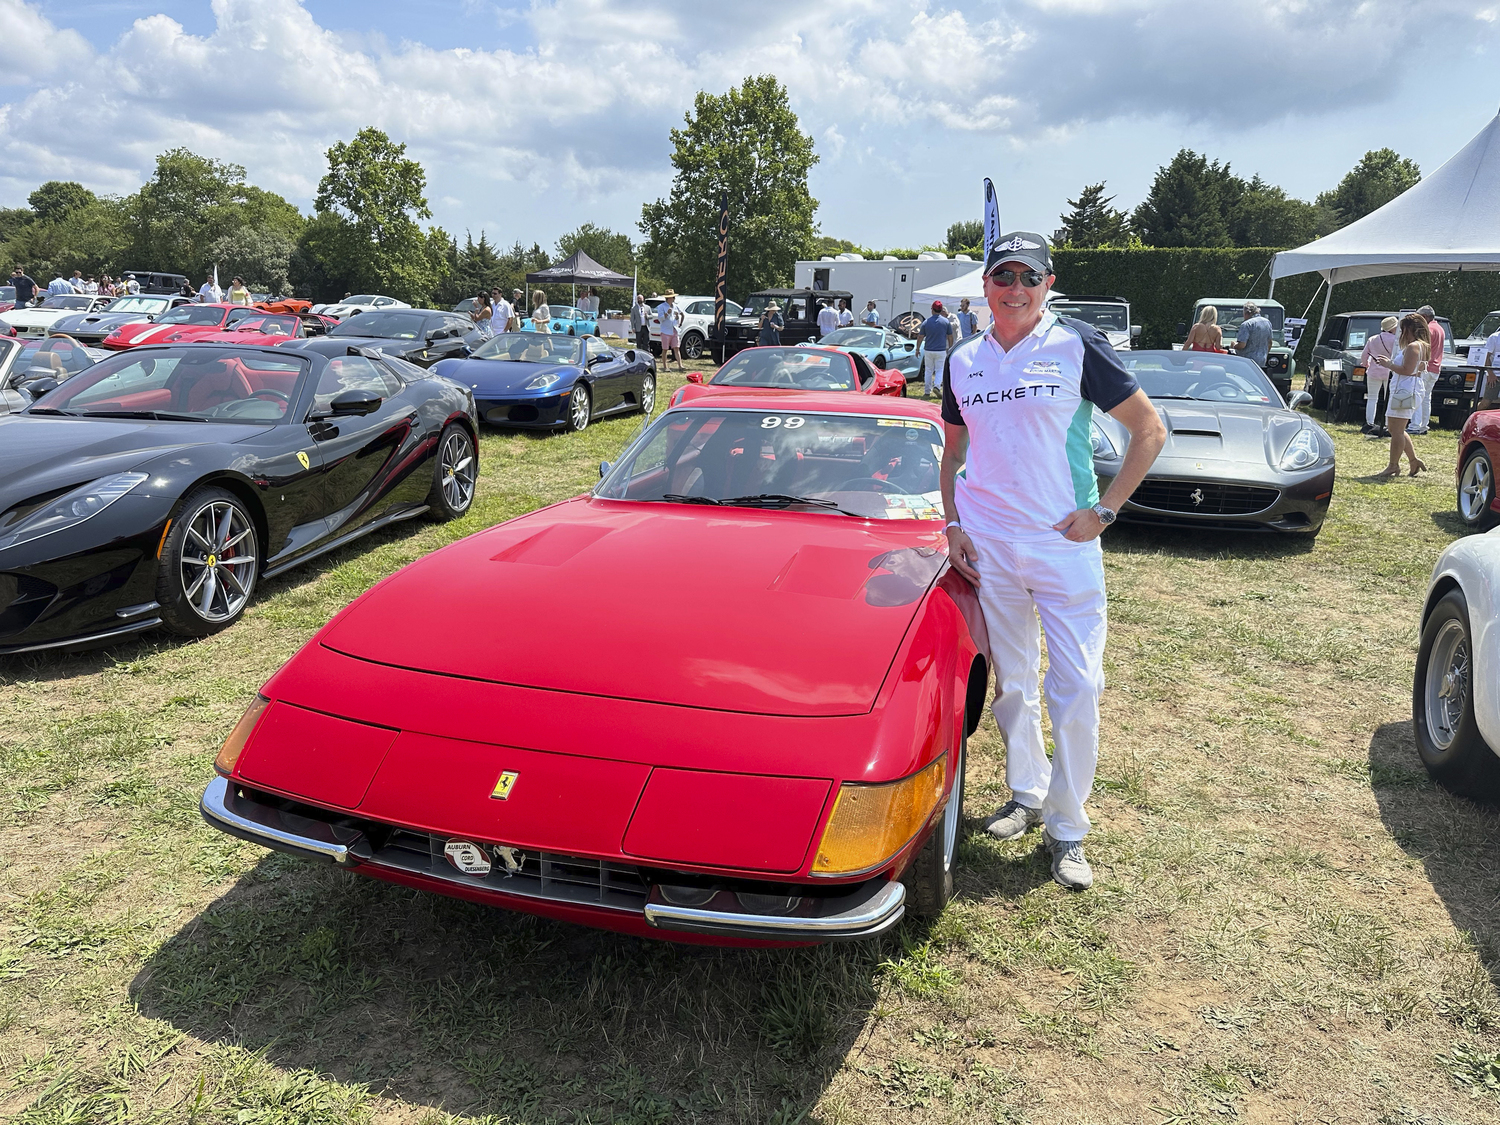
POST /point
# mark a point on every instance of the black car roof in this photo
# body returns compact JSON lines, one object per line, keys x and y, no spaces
{"x":333,"y":346}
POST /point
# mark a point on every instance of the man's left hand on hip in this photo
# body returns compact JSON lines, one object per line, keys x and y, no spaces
{"x":1081,"y":526}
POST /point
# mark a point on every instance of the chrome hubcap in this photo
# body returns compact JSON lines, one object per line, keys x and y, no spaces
{"x":648,"y":394}
{"x":218,"y":561}
{"x":1447,"y":688}
{"x":1474,"y":490}
{"x":458,"y":471}
{"x":579,"y":408}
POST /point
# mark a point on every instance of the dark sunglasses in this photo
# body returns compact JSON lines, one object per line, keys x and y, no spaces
{"x":1006,"y":278}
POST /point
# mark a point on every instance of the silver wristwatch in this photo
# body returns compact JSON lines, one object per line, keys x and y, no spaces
{"x":1106,"y":515}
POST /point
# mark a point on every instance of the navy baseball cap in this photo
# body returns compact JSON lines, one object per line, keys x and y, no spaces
{"x":1023,"y":246}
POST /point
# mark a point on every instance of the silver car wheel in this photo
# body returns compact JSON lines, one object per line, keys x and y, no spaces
{"x":458,"y":471}
{"x":218,"y":562}
{"x":1474,"y":489}
{"x":648,"y":394}
{"x":1447,"y":686}
{"x":578,"y":407}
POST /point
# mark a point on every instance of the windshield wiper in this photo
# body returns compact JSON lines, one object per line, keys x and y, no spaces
{"x":54,"y":410}
{"x":786,"y":500}
{"x":683,"y":498}
{"x":154,"y":415}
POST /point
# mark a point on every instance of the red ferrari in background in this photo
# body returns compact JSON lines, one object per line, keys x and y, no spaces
{"x":255,"y":327}
{"x":185,"y":323}
{"x":1478,"y":454}
{"x":802,"y":368}
{"x":773,"y":756}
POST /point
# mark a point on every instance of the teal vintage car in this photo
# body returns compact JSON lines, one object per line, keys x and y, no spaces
{"x":882,"y":347}
{"x":566,"y":321}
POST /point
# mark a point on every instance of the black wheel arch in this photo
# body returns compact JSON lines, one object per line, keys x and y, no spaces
{"x":1440,"y":589}
{"x":978,"y":688}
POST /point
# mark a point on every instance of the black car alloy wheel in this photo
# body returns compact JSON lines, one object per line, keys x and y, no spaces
{"x":209,"y":564}
{"x":580,"y":408}
{"x":692,"y":346}
{"x":453,"y":475}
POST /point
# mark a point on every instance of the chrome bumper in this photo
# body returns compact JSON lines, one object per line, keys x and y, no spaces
{"x":283,"y":831}
{"x":866,"y":911}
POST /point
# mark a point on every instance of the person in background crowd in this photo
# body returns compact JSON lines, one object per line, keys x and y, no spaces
{"x":90,"y":285}
{"x":107,"y":285}
{"x":59,"y":285}
{"x":934,"y":338}
{"x":871,"y":315}
{"x":541,"y":314}
{"x":828,"y":319}
{"x":1422,"y":419}
{"x":238,"y":294}
{"x":1489,"y":389}
{"x":588,"y":304}
{"x":1206,"y":335}
{"x":76,"y":281}
{"x":187,"y":289}
{"x":771,"y":325}
{"x":132,"y":286}
{"x":25,"y":287}
{"x":209,"y":293}
{"x":1376,"y":375}
{"x":1407,"y":365}
{"x":670,"y":318}
{"x":482,"y":315}
{"x":968,"y":322}
{"x":846,"y":314}
{"x":640,"y":323}
{"x":517,"y":307}
{"x":1253,"y":340}
{"x":500,"y":312}
{"x":1023,"y":528}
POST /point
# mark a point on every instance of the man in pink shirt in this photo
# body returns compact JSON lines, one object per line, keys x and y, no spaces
{"x":1422,"y":417}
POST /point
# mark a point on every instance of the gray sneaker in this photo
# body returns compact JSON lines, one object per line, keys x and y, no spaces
{"x":1068,"y":865}
{"x":1012,"y":821}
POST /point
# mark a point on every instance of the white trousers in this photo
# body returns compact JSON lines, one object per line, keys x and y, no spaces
{"x":1063,"y":583}
{"x":1422,"y":418}
{"x":932,"y":370}
{"x":1374,"y":384}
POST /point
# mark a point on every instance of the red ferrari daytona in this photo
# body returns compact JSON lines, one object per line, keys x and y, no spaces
{"x":757,"y":736}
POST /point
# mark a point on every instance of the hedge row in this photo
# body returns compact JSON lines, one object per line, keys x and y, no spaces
{"x":1162,"y":286}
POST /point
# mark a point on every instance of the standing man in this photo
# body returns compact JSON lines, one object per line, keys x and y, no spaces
{"x":209,"y":293}
{"x":670,"y":319}
{"x":59,"y":285}
{"x":871,"y":315}
{"x":132,"y":285}
{"x":25,"y":287}
{"x":828,"y":319}
{"x":846,"y":314}
{"x":1383,"y":343}
{"x":933,"y":339}
{"x":77,"y":282}
{"x":1253,"y":340}
{"x":501,"y":311}
{"x":1422,"y":418}
{"x":1489,"y":389}
{"x":640,"y":323}
{"x":968,"y":323}
{"x":1023,"y":527}
{"x":517,"y":304}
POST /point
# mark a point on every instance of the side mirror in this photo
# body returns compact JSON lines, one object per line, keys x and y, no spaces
{"x":695,"y":376}
{"x":36,"y":388}
{"x":1182,"y":329}
{"x":630,"y":355}
{"x":1299,"y":398}
{"x":1135,"y":331}
{"x":603,"y":468}
{"x":595,"y":360}
{"x":355,"y":402}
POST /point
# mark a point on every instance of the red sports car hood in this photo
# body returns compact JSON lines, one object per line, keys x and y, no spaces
{"x":783,"y":613}
{"x":136,"y":335}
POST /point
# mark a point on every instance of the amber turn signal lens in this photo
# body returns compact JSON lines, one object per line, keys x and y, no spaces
{"x":871,"y":823}
{"x":234,"y":745}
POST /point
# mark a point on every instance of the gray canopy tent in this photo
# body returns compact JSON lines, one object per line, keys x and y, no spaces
{"x":1448,"y":221}
{"x":575,"y":270}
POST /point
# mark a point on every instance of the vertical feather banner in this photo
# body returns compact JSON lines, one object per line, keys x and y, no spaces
{"x":991,"y":217}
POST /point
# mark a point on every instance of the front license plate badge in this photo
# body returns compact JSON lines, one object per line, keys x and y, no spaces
{"x":468,"y":857}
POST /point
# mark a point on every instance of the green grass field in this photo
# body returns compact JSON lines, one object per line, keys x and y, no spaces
{"x":1290,"y":922}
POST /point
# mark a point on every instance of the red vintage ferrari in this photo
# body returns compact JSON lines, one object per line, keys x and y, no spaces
{"x":807,"y":367}
{"x":755,"y":733}
{"x":1478,"y":454}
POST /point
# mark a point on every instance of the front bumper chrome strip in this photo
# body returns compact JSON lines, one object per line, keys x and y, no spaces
{"x":283,"y":831}
{"x":869,"y":910}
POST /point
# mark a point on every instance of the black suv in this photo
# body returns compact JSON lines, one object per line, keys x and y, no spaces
{"x":799,"y":309}
{"x":152,"y":282}
{"x":1337,"y":382}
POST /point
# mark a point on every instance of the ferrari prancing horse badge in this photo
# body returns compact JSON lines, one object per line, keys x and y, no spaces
{"x":302,"y":459}
{"x":503,"y":786}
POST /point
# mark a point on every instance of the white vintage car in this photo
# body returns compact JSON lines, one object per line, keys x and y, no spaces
{"x":1456,"y":691}
{"x":36,"y":320}
{"x":363,"y":302}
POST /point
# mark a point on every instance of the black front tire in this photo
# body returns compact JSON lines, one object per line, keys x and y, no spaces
{"x":1442,"y":704}
{"x":185,"y":556}
{"x":1319,"y":392}
{"x":1478,"y":475}
{"x":455,"y":471}
{"x":929,"y":879}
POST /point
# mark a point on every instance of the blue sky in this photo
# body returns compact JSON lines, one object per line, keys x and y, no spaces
{"x":534,"y":117}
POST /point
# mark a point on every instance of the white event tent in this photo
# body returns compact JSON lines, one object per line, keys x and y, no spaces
{"x":970,"y":285}
{"x":1450,"y":220}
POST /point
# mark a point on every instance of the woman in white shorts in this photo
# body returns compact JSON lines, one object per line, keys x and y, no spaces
{"x":1407,"y":364}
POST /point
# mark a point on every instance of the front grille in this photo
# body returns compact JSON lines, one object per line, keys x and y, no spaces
{"x":545,"y":875}
{"x":1203,"y":497}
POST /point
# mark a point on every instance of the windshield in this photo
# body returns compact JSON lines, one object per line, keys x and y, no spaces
{"x":1486,"y":327}
{"x":251,"y":320}
{"x":359,"y":299}
{"x":1107,"y":318}
{"x":197,"y":383}
{"x":56,"y":356}
{"x":854,"y":338}
{"x":1232,"y":314}
{"x":532,"y":347}
{"x":1205,"y":376}
{"x":800,"y":369}
{"x":1360,"y":329}
{"x":387,"y":325}
{"x":878,"y":468}
{"x":193,"y":314}
{"x":76,"y":302}
{"x":136,"y":305}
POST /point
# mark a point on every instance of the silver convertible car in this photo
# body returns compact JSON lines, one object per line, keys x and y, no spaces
{"x":1238,"y":456}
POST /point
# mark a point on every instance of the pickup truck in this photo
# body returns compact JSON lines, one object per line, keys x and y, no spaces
{"x":1337,"y":382}
{"x":1231,"y":311}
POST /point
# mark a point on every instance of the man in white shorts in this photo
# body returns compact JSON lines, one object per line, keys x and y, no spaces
{"x":1024,"y":519}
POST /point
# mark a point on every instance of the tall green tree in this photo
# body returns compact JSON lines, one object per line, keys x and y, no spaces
{"x":1185,"y":206}
{"x":1264,"y":215}
{"x":1091,"y":222}
{"x":748,"y":144}
{"x":1380,"y":176}
{"x":375,"y":194}
{"x":607,"y":247}
{"x":56,"y":198}
{"x":965,"y":235}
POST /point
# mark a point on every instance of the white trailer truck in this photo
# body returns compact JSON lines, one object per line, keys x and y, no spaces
{"x":889,"y":281}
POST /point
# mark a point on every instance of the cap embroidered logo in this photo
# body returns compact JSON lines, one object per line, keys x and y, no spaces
{"x":1019,"y":243}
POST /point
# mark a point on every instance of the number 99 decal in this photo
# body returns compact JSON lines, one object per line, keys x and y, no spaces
{"x":771,"y":421}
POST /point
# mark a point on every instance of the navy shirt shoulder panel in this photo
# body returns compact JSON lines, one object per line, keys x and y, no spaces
{"x":951,"y":412}
{"x":1104,"y":381}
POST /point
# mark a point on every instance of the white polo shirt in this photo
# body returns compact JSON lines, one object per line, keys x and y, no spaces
{"x":1029,"y":412}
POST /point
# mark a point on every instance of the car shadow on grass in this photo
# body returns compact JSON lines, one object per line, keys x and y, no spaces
{"x":1457,"y":842}
{"x":1450,"y":523}
{"x":452,"y":1005}
{"x":1198,"y":543}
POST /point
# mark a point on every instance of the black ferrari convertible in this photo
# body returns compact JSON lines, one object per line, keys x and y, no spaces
{"x":156,"y":487}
